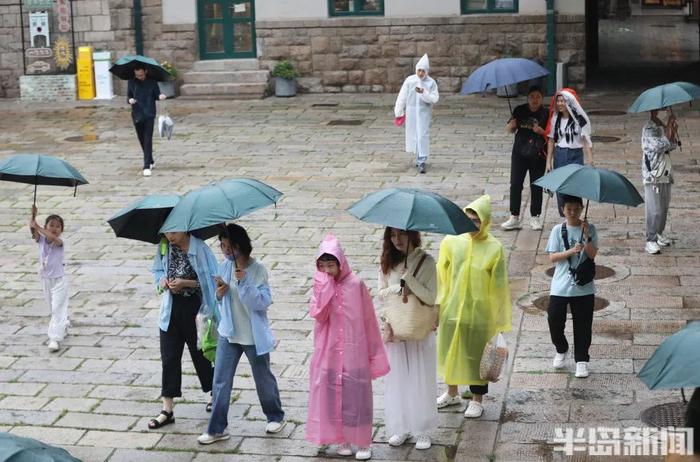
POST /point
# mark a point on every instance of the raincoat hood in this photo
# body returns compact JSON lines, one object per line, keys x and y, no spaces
{"x":482,"y":207}
{"x":331,"y":245}
{"x":423,"y":64}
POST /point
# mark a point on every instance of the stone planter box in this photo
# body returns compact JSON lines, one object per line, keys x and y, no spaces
{"x":285,"y":88}
{"x":169,"y":89}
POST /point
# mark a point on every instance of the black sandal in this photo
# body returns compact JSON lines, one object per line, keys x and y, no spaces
{"x":154,"y":424}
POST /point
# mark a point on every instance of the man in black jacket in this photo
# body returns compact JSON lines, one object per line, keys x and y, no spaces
{"x":142,"y":93}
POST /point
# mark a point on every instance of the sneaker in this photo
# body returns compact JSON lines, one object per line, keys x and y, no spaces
{"x":364,"y":453}
{"x":421,"y":167}
{"x":146,"y":172}
{"x":581,"y":370}
{"x":344,"y":450}
{"x":474,"y":410}
{"x":153,"y":165}
{"x":512,"y":223}
{"x":423,"y":442}
{"x":206,"y":438}
{"x":663,"y":240}
{"x":652,"y":247}
{"x":446,"y":400}
{"x":559,"y":360}
{"x":54,"y":346}
{"x":275,"y":427}
{"x":535,"y":223}
{"x":398,"y":440}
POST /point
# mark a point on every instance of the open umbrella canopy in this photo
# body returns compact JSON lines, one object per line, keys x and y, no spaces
{"x":664,"y":96}
{"x":40,"y":169}
{"x":18,"y":449}
{"x":596,"y":184}
{"x":218,"y":203}
{"x":413,"y":210}
{"x":675,"y":363}
{"x":501,"y":72}
{"x":124,"y":68}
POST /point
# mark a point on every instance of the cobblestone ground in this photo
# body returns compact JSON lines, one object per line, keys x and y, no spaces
{"x":95,"y":396}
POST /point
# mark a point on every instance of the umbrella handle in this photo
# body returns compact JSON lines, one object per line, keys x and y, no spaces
{"x":508,"y":98}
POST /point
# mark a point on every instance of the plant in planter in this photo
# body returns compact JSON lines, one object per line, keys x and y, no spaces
{"x":169,"y":88}
{"x":285,"y":79}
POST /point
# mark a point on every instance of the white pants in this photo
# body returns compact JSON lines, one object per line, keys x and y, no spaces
{"x":56,"y":294}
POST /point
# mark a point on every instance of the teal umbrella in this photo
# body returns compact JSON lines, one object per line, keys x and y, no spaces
{"x":19,"y":449}
{"x":40,"y":169}
{"x":124,"y":68}
{"x":218,"y":203}
{"x":413,"y":210}
{"x":676,"y":362}
{"x":665,"y":96}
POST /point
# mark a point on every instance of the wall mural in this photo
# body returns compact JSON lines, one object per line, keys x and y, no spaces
{"x":49,"y":28}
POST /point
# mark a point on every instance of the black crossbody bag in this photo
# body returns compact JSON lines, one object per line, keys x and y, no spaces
{"x":584,"y":272}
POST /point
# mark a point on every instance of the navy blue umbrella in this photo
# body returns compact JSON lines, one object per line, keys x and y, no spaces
{"x":502,"y":72}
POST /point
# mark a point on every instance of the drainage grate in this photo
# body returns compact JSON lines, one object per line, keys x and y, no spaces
{"x":83,"y":138}
{"x":345,"y":122}
{"x":324,"y":105}
{"x":542,"y":303}
{"x":604,"y":139}
{"x":665,"y":415}
{"x":601,"y":272}
{"x":606,"y":112}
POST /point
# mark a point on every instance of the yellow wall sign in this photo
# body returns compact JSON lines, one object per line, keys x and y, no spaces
{"x":86,"y":77}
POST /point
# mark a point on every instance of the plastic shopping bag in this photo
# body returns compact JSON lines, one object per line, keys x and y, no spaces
{"x":494,"y":359}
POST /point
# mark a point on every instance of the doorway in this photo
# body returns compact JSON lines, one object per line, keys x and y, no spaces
{"x":226,"y":29}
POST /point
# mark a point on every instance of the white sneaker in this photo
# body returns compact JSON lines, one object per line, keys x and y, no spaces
{"x":512,"y":223}
{"x":363,"y":454}
{"x":474,"y":410}
{"x":275,"y":427}
{"x":581,"y":369}
{"x":663,"y":240}
{"x":146,"y":172}
{"x":652,"y":247}
{"x":536,"y":223}
{"x":398,"y":440}
{"x":344,"y":450}
{"x":559,"y":360}
{"x":446,"y":400}
{"x":423,"y":442}
{"x":54,"y":346}
{"x":206,"y":438}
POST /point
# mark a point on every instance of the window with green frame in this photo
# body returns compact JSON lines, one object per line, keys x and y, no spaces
{"x":356,"y":7}
{"x":489,"y":6}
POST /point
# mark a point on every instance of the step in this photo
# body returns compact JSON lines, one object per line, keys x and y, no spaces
{"x":258,"y":76}
{"x":255,"y":90}
{"x":211,"y":65}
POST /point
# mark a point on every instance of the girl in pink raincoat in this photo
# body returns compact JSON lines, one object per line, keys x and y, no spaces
{"x":348,"y":355}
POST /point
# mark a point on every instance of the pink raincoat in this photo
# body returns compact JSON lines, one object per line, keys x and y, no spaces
{"x":348,"y":355}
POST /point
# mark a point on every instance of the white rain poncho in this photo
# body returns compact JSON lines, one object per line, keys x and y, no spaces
{"x":418,"y":109}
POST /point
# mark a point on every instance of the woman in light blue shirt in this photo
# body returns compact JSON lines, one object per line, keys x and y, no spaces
{"x":244,"y":297}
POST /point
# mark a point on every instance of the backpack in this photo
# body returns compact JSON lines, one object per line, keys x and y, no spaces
{"x":584,"y":271}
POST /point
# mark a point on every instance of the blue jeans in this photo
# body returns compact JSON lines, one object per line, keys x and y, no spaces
{"x":227,"y":357}
{"x":566,"y":156}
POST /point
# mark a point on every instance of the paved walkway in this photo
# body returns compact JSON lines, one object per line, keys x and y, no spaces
{"x":95,"y":396}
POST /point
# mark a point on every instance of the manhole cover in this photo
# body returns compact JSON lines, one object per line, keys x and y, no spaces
{"x":324,"y":105}
{"x":345,"y":122}
{"x":606,"y":112}
{"x":542,"y":303}
{"x":91,"y":137}
{"x":665,"y":415}
{"x":604,"y":139}
{"x":601,"y":272}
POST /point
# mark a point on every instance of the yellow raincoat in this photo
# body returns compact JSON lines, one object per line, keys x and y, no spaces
{"x":474,"y":298}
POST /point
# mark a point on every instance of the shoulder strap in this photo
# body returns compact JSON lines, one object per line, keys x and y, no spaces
{"x":420,"y":263}
{"x":565,"y":235}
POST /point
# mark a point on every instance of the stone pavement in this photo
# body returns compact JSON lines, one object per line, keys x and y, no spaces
{"x":95,"y":396}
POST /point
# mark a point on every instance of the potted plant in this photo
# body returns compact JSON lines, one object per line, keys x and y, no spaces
{"x":285,"y":79}
{"x":169,"y":88}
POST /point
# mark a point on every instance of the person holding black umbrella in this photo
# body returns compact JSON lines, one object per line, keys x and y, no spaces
{"x":142,"y":92}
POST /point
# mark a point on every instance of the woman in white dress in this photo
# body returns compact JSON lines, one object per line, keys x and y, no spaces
{"x":411,"y":386}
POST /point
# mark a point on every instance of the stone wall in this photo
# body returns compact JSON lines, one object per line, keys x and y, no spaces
{"x":376,"y":54}
{"x":48,"y":87}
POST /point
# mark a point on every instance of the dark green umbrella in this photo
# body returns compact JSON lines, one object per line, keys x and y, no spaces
{"x":41,"y":169}
{"x":665,"y":96}
{"x":676,"y":362}
{"x":413,"y":210}
{"x":124,"y":68}
{"x":18,"y":449}
{"x":596,"y":184}
{"x":218,"y":203}
{"x":142,"y":219}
